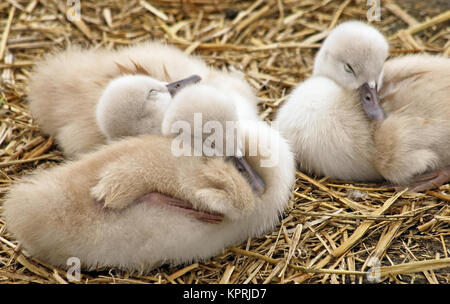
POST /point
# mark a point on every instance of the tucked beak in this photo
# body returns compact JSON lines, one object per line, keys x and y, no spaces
{"x":176,"y":86}
{"x":370,"y":103}
{"x":256,"y":182}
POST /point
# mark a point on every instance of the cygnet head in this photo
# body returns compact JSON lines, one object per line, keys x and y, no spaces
{"x":135,"y":104}
{"x":353,"y":56}
{"x":207,"y":123}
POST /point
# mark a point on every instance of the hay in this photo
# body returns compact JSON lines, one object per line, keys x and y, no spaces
{"x":332,"y":231}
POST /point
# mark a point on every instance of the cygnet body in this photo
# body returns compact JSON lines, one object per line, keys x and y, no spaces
{"x":65,"y":90}
{"x":113,"y":207}
{"x":338,"y":128}
{"x":412,"y":143}
{"x":323,"y":120}
{"x":329,"y":134}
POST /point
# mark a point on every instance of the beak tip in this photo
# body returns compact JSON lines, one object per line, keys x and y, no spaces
{"x":259,"y":187}
{"x":256,"y":182}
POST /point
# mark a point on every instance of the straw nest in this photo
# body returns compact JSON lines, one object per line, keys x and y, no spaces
{"x":332,"y":231}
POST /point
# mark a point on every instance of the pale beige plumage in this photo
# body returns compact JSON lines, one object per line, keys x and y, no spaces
{"x":96,"y":208}
{"x":203,"y":110}
{"x":323,"y":119}
{"x":328,"y":131}
{"x":331,"y":132}
{"x":415,"y":136}
{"x":65,"y":89}
{"x":132,"y":105}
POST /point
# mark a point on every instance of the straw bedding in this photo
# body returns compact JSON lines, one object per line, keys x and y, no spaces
{"x":332,"y":231}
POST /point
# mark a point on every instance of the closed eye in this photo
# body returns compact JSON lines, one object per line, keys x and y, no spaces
{"x":152,"y":93}
{"x":348,"y":68}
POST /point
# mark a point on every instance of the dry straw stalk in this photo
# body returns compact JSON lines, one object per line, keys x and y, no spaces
{"x":331,"y":231}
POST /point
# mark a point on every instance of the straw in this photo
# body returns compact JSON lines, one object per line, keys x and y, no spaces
{"x":331,"y":231}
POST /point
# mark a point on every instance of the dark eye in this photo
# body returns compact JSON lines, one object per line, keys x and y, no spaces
{"x":348,"y":68}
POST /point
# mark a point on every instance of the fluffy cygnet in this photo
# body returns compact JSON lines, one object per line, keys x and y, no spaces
{"x":339,"y":128}
{"x":412,"y":138}
{"x":65,"y":89}
{"x":323,"y":119}
{"x":134,"y":205}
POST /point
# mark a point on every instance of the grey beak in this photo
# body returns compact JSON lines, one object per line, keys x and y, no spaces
{"x":256,"y":182}
{"x":176,"y":86}
{"x":370,"y":103}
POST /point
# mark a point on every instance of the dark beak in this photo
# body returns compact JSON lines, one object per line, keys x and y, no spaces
{"x":370,"y":103}
{"x":256,"y":182}
{"x":176,"y":86}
